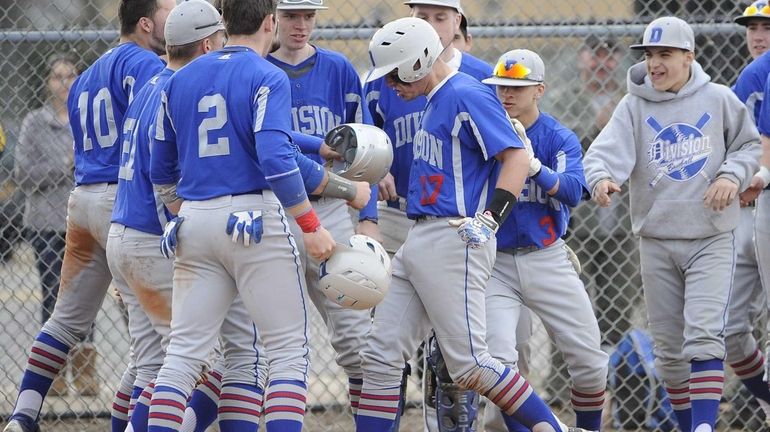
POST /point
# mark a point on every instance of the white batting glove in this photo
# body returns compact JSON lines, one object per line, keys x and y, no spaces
{"x":168,"y":240}
{"x":477,"y":230}
{"x":246,"y":224}
{"x":521,"y":131}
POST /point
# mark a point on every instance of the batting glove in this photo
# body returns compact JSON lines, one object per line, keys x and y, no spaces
{"x":521,"y":131}
{"x":168,"y":241}
{"x":477,"y":230}
{"x":246,"y":224}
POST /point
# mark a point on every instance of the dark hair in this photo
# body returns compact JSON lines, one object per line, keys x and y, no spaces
{"x":464,"y":26}
{"x":186,"y":52}
{"x":131,"y":11}
{"x":244,"y":17}
{"x":56,"y":58}
{"x":595,"y":44}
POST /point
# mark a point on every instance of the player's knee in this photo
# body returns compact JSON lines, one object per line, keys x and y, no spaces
{"x":704,"y":347}
{"x":739,"y":346}
{"x":592,"y":377}
{"x":673,"y":371}
{"x":480,"y":377}
{"x":63,"y":333}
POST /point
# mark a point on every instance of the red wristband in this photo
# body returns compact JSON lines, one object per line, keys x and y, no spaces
{"x":308,"y":222}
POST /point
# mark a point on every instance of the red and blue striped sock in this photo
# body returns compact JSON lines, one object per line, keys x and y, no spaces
{"x":751,"y":373}
{"x":285,"y":404}
{"x":707,"y":378}
{"x":377,"y":409}
{"x":679,"y":396}
{"x":135,"y":393}
{"x":46,"y":359}
{"x":240,"y":406}
{"x":120,"y":406}
{"x":166,"y":409}
{"x":513,"y":394}
{"x":588,"y":406}
{"x":201,"y":411}
{"x":354,"y":390}
{"x":141,"y":411}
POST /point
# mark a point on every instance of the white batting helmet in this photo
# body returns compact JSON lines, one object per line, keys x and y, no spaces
{"x":356,"y":276}
{"x":366,"y":151}
{"x":410,"y":45}
{"x":301,"y":5}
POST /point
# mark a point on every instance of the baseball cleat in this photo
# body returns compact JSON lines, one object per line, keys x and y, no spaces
{"x":21,"y":425}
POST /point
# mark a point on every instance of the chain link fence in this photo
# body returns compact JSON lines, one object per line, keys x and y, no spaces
{"x":584,"y":46}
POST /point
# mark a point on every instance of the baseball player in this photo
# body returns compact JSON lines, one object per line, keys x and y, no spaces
{"x":97,"y":101}
{"x":325,"y":92}
{"x":438,"y":278}
{"x":142,"y":276}
{"x":748,"y":299}
{"x":400,"y":119}
{"x":688,"y":146}
{"x":533,"y":266}
{"x":750,"y":84}
{"x":223,"y":155}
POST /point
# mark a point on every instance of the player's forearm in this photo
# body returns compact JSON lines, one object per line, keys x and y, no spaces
{"x":306,"y":143}
{"x":369,"y":212}
{"x":513,"y":172}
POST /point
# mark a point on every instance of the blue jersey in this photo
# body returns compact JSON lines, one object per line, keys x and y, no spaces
{"x":97,"y":101}
{"x":462,"y":129}
{"x":400,"y":119}
{"x":212,"y":111}
{"x":539,"y":219}
{"x":136,"y":204}
{"x":750,"y":85}
{"x":325,"y":92}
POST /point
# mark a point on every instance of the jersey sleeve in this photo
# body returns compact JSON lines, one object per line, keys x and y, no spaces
{"x":567,"y":162}
{"x":484,"y":122}
{"x":611,"y":155}
{"x":764,"y":114}
{"x":270,"y":104}
{"x":356,"y":109}
{"x":749,"y":87}
{"x":372,"y":95}
{"x":164,"y":157}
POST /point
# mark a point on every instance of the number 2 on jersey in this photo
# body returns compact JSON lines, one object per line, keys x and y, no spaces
{"x":208,"y":124}
{"x":431,"y":187}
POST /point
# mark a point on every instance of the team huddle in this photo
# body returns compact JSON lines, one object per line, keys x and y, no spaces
{"x":213,"y":188}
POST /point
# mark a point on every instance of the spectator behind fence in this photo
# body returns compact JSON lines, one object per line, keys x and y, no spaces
{"x":600,"y":236}
{"x":44,"y":172}
{"x":11,"y":201}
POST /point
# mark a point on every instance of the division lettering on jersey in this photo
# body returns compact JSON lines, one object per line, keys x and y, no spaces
{"x":405,"y":128}
{"x":679,"y":151}
{"x":429,"y":148}
{"x":533,"y":193}
{"x":314,"y":120}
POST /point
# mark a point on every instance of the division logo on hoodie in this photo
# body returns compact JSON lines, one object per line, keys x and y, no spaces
{"x":679,"y":150}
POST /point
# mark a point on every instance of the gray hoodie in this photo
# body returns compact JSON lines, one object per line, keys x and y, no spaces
{"x":672,"y":146}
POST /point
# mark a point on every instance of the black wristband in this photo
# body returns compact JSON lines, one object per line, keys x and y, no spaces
{"x":501,"y":205}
